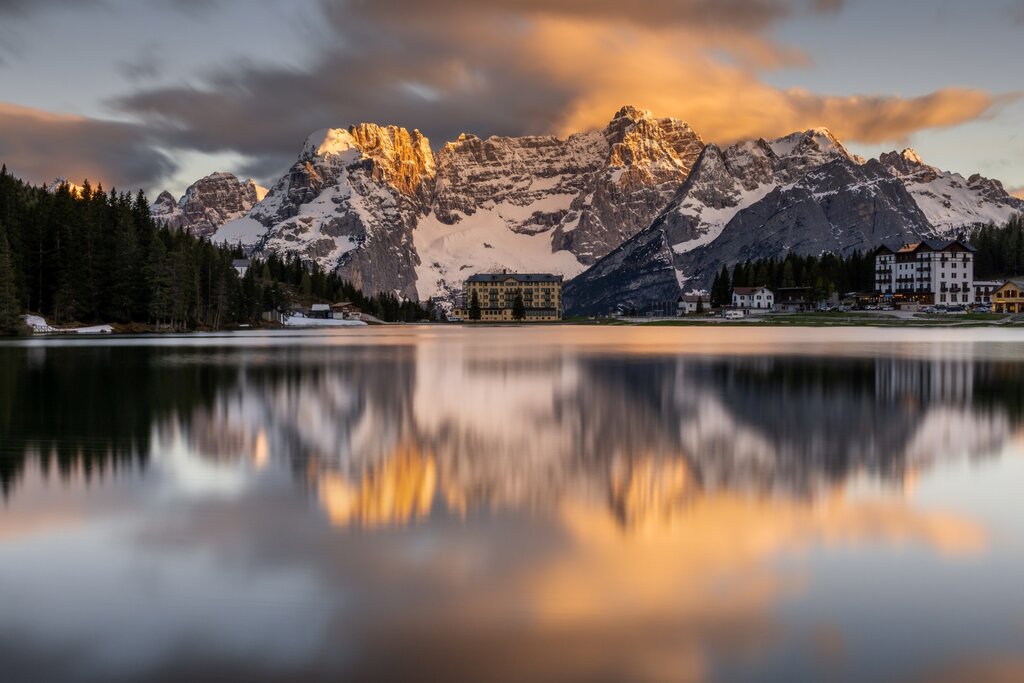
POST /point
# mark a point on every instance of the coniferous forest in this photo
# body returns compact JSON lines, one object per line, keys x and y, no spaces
{"x":92,"y":256}
{"x":824,"y":274}
{"x":1000,"y":254}
{"x":1000,"y":250}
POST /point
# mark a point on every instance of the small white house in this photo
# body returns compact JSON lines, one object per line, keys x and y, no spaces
{"x":689,"y":303}
{"x":241,"y":266}
{"x":753,"y":298}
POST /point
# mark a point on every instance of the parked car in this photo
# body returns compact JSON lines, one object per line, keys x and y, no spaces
{"x":888,"y":308}
{"x":929,"y":309}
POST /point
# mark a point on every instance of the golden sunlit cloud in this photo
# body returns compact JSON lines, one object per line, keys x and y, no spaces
{"x":515,"y":67}
{"x":676,"y":73}
{"x":1018,"y":193}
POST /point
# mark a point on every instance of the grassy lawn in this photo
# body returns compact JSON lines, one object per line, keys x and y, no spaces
{"x":836,"y":319}
{"x":960,"y":316}
{"x":823,"y":319}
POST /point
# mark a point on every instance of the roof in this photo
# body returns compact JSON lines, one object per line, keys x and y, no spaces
{"x":693,"y":298}
{"x":1015,"y":281}
{"x":344,"y":304}
{"x":748,"y":290}
{"x":935,"y":245}
{"x":791,"y":294}
{"x":518,"y":277}
{"x":320,"y":307}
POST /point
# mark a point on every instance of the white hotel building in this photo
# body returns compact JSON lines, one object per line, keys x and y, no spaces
{"x":927,"y":272}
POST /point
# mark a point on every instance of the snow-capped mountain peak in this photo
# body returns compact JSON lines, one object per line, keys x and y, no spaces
{"x":911,"y":156}
{"x":803,"y":192}
{"x":328,"y":142}
{"x":208,"y":203}
{"x":377,"y":204}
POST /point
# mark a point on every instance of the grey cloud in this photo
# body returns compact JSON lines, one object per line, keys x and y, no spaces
{"x":22,"y":8}
{"x":827,"y":6}
{"x":143,"y":67}
{"x":39,"y":146}
{"x":266,"y":113}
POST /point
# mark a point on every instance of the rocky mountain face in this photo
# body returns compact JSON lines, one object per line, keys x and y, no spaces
{"x":350,"y":203}
{"x":208,"y":204}
{"x":948,"y":199}
{"x":632,"y":213}
{"x":804,"y":193}
{"x":377,"y":205}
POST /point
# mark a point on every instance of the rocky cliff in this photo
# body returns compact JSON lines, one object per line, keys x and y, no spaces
{"x":637,"y":210}
{"x":208,"y":204}
{"x":375,"y":204}
{"x":804,"y":193}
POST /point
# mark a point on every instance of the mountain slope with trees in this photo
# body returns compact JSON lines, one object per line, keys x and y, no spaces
{"x":85,"y":255}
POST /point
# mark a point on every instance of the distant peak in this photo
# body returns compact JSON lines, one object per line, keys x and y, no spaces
{"x":821,"y":131}
{"x":221,"y":175}
{"x":633,"y":113}
{"x":810,"y":141}
{"x":912,"y":156}
{"x":328,"y":142}
{"x":261,"y":191}
{"x":59,"y":182}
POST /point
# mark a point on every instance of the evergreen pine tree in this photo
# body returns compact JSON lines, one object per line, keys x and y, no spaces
{"x":10,"y":306}
{"x":159,"y":280}
{"x":518,"y":307}
{"x":474,"y":307}
{"x":788,"y":279}
{"x":721,"y":293}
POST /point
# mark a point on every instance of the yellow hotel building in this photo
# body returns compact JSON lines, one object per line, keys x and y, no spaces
{"x":496,"y":294}
{"x":1009,"y":298}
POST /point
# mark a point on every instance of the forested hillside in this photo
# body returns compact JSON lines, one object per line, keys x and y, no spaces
{"x":1000,"y":250}
{"x":824,"y":274}
{"x":85,"y":255}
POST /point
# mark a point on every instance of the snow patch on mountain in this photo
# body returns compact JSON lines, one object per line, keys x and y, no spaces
{"x":450,"y":253}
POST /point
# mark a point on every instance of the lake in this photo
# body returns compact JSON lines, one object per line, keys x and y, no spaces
{"x":514,"y":504}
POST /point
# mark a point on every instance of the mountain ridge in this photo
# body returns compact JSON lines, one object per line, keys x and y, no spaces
{"x":389,"y":212}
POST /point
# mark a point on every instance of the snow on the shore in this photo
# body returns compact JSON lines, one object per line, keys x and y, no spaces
{"x":299,"y":321}
{"x":40,"y":326}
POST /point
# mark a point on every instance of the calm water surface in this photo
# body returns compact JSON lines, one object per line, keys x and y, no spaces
{"x":549,"y":504}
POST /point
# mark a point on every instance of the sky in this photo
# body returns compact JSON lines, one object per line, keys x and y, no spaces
{"x":155,"y":94}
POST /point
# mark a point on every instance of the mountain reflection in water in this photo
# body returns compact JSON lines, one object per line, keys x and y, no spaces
{"x":384,"y":435}
{"x":504,"y":510}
